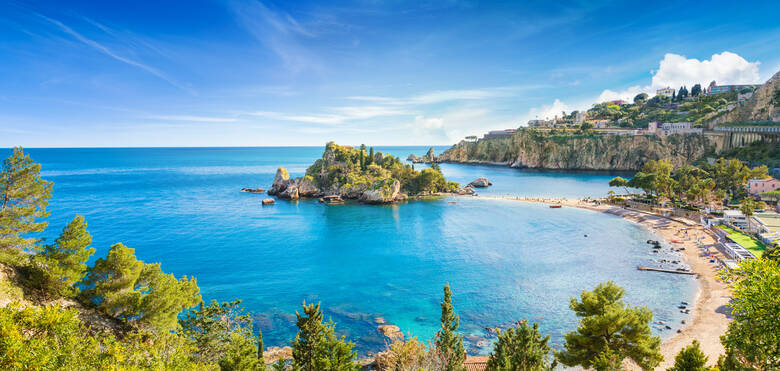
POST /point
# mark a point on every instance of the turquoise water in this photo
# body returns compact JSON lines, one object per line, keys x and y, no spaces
{"x":505,"y":260}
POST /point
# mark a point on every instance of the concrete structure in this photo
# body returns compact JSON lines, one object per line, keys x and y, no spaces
{"x":767,"y":225}
{"x":666,"y":92}
{"x":742,"y":135}
{"x":714,"y":88}
{"x":499,"y":133}
{"x":735,"y":217}
{"x":669,"y":128}
{"x":758,"y":186}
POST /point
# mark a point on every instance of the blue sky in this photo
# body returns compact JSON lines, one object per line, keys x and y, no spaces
{"x":260,"y":73}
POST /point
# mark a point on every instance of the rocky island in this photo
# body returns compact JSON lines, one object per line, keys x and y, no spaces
{"x":358,"y":174}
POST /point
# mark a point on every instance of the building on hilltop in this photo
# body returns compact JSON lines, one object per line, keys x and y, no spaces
{"x":665,"y":92}
{"x":499,"y":134}
{"x":669,"y":128}
{"x":714,"y":88}
{"x":759,"y":186}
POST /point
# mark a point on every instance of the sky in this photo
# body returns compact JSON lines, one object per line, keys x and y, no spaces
{"x":278,"y":73}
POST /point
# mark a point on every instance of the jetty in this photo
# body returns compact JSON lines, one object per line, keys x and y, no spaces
{"x":641,"y":268}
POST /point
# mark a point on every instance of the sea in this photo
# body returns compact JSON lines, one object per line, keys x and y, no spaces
{"x":504,"y":260}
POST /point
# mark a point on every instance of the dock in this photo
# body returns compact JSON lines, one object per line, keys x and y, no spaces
{"x":641,"y":268}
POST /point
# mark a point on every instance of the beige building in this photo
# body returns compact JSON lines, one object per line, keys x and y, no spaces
{"x":667,"y":92}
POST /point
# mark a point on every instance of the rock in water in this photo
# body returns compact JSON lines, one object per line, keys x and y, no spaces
{"x":382,"y":192}
{"x":281,"y":180}
{"x":306,"y":187}
{"x":393,"y":332}
{"x":268,"y":201}
{"x":481,"y":182}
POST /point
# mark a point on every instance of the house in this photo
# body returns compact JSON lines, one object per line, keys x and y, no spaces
{"x":714,"y":88}
{"x":735,"y":217}
{"x":618,"y":102}
{"x":670,"y":128}
{"x":665,"y":92}
{"x":499,"y":134}
{"x":600,"y":124}
{"x":758,"y":186}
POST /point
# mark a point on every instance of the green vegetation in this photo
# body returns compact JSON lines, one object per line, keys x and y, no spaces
{"x":753,"y":338}
{"x":755,"y":154}
{"x":749,"y":243}
{"x":23,"y":198}
{"x":316,"y":346}
{"x":690,"y":358}
{"x":353,"y":171}
{"x":696,"y":184}
{"x":64,"y":263}
{"x":609,"y":332}
{"x":449,"y":344}
{"x":521,"y":348}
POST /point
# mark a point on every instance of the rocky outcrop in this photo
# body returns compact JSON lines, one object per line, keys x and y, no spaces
{"x":281,"y":181}
{"x":392,"y":332}
{"x":268,"y":201}
{"x":481,"y":182}
{"x":253,"y":190}
{"x":764,"y":105}
{"x":381,"y":193}
{"x":273,"y":354}
{"x":530,"y":148}
{"x":429,"y":157}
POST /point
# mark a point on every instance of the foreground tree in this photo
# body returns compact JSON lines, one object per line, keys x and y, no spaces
{"x":610,"y":330}
{"x":619,"y":182}
{"x":64,"y":263}
{"x":316,"y":347}
{"x":752,"y":341}
{"x":690,"y":358}
{"x":124,"y":287}
{"x":23,"y":199}
{"x":521,"y":349}
{"x":223,"y":335}
{"x":448,"y":343}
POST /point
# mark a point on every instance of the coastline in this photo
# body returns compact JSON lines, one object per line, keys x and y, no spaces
{"x":709,"y":319}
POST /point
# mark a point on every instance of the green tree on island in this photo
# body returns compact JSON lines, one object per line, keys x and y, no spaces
{"x":521,"y":349}
{"x":448,"y":343}
{"x":752,"y":341}
{"x":64,"y":263}
{"x":23,"y":198}
{"x":223,"y":335}
{"x":317,"y":347}
{"x":610,"y":330}
{"x":690,"y":358}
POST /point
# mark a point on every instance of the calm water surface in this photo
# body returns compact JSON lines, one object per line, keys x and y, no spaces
{"x":505,"y":260}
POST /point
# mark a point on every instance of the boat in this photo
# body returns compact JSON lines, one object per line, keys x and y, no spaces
{"x":332,"y":200}
{"x":555,"y":206}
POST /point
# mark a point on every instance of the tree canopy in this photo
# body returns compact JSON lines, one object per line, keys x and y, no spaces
{"x":521,"y":349}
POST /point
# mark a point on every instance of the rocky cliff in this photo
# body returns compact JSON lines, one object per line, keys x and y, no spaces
{"x":530,"y":148}
{"x":764,"y":105}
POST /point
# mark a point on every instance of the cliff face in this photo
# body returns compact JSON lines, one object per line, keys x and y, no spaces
{"x":764,"y":105}
{"x":533,"y":149}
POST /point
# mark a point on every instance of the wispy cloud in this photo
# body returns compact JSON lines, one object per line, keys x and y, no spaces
{"x":278,"y":31}
{"x":191,"y":118}
{"x":105,"y":50}
{"x":442,"y":96}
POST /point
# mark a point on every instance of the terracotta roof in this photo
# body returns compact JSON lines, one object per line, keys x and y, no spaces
{"x":476,"y":363}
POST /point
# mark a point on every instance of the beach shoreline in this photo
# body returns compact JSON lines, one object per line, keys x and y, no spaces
{"x":709,"y":315}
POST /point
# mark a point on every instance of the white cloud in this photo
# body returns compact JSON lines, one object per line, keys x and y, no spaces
{"x":548,"y":111}
{"x":677,"y":70}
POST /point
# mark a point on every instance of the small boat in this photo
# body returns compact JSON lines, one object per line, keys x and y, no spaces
{"x":555,"y":206}
{"x":332,"y":200}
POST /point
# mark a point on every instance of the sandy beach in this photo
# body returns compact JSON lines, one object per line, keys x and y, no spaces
{"x":709,"y":314}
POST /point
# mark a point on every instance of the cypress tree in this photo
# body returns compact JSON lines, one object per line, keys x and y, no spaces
{"x":316,"y":346}
{"x":449,"y":344}
{"x":23,"y":198}
{"x":371,"y":156}
{"x":65,"y":261}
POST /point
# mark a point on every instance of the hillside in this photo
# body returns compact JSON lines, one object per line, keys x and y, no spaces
{"x":530,"y":148}
{"x":764,"y":105}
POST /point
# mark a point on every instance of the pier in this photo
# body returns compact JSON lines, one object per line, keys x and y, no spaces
{"x":641,"y":268}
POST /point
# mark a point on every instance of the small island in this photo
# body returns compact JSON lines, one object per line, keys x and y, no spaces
{"x":360,"y":174}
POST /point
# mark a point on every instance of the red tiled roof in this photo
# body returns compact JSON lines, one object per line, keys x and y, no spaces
{"x":476,"y":363}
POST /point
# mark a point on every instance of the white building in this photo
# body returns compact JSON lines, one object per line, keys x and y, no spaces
{"x":669,"y":128}
{"x":735,"y":217}
{"x":667,"y":92}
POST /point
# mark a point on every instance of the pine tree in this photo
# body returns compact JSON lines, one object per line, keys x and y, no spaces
{"x":690,"y":358}
{"x":316,"y":346}
{"x":608,"y":325}
{"x":65,"y":262}
{"x":521,"y":348}
{"x":126,"y":288}
{"x":223,"y":335}
{"x":449,"y":344}
{"x":23,"y":198}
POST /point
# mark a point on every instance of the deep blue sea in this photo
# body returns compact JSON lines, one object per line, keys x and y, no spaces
{"x":505,"y":260}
